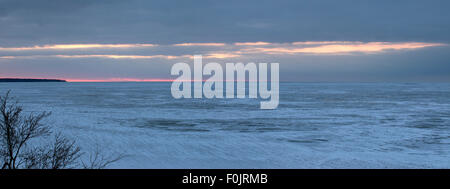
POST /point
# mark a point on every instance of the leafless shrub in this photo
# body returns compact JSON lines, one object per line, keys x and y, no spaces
{"x":97,"y":159}
{"x":16,"y":132}
{"x":61,"y":153}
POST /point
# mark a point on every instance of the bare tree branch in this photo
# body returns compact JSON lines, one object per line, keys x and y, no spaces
{"x":99,"y":161}
{"x":16,"y":132}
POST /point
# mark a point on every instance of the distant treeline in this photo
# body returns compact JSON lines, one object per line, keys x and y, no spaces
{"x":29,"y":80}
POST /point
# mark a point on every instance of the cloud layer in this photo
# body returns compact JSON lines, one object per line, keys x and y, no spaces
{"x":321,"y":40}
{"x":210,"y":50}
{"x":39,"y":22}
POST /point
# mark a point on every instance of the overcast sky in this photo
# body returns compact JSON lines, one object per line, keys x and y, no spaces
{"x":320,"y":40}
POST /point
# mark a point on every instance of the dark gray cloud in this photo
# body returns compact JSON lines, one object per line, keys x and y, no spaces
{"x":54,"y":21}
{"x":26,"y":23}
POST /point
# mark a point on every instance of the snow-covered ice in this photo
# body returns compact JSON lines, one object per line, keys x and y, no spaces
{"x":317,"y":125}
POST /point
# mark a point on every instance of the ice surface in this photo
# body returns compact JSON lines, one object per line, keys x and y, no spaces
{"x":317,"y":125}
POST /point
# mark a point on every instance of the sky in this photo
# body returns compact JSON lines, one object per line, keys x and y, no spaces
{"x":139,"y":40}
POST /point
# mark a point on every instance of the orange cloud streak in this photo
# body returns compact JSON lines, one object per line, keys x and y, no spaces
{"x":75,"y":46}
{"x":221,"y":55}
{"x":259,"y":43}
{"x":372,"y":47}
{"x":199,"y":44}
{"x":307,"y":47}
{"x":110,"y":56}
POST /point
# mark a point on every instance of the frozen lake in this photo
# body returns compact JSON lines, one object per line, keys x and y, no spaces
{"x":316,"y":125}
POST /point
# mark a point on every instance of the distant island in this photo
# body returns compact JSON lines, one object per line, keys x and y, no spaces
{"x":30,"y":80}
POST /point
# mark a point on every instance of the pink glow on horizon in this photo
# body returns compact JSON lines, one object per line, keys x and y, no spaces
{"x":120,"y":80}
{"x":144,"y":80}
{"x":80,"y":80}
